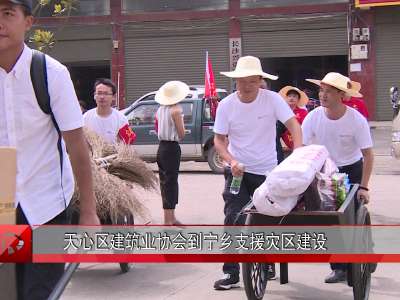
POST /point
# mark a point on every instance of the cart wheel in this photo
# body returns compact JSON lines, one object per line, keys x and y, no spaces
{"x":361,"y":272}
{"x":125,"y":267}
{"x":125,"y":220}
{"x":255,"y":280}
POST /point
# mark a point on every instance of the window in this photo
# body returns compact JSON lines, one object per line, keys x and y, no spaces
{"x":81,"y":8}
{"x":221,"y":95}
{"x":187,"y":112}
{"x":143,"y":115}
{"x":275,"y":3}
{"x":207,"y":112}
{"x":130,"y":6}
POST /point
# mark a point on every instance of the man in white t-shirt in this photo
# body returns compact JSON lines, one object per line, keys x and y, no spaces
{"x":106,"y":121}
{"x":346,"y":135}
{"x":44,"y":186}
{"x":245,"y":133}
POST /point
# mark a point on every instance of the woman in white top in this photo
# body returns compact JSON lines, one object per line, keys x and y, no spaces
{"x":171,"y":130}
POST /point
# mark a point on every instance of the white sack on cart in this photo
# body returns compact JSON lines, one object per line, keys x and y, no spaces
{"x":293,"y":176}
{"x":277,"y":206}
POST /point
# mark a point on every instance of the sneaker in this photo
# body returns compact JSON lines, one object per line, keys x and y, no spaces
{"x":227,"y":282}
{"x":336,"y":276}
{"x":270,"y":269}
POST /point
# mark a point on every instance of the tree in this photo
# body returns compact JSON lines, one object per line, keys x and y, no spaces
{"x":44,"y":39}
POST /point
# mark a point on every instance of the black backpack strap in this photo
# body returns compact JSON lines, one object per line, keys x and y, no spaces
{"x":40,"y":86}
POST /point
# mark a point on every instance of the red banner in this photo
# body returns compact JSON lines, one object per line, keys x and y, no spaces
{"x":210,"y":90}
{"x":209,"y":82}
{"x":215,"y":258}
{"x":366,"y":3}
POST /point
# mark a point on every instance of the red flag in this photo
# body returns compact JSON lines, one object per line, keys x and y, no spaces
{"x":209,"y":84}
{"x":210,"y":90}
{"x":127,"y":135}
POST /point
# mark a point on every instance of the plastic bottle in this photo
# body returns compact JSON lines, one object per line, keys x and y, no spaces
{"x":236,"y":182}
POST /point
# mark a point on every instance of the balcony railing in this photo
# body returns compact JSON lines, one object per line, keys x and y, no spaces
{"x":137,"y":6}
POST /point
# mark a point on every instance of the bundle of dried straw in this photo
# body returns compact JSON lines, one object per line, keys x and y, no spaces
{"x":117,"y":172}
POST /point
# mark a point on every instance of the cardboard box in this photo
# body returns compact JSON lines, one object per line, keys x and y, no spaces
{"x":8,"y":174}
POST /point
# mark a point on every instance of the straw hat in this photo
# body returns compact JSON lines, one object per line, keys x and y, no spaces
{"x":303,"y":97}
{"x":172,"y":92}
{"x":340,"y":82}
{"x":248,"y":66}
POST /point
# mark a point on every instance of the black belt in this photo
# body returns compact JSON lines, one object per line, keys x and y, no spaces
{"x":165,"y":141}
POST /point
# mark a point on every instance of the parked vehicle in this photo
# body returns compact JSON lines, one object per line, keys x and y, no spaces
{"x":196,"y":92}
{"x":395,"y":100}
{"x":198,"y":144}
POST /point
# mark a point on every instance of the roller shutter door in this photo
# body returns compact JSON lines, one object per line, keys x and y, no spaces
{"x":163,"y":51}
{"x":315,"y":35}
{"x":387,"y":34}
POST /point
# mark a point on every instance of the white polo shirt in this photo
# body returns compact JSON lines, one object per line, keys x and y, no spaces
{"x":251,"y":128}
{"x":23,"y":125}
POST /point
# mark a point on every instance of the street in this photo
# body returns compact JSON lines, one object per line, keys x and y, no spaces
{"x":201,"y":203}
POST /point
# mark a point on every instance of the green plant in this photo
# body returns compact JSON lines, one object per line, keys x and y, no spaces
{"x":44,"y":39}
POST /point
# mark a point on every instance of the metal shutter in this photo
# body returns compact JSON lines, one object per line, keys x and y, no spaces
{"x":312,"y":35}
{"x":163,"y":51}
{"x":387,"y":58}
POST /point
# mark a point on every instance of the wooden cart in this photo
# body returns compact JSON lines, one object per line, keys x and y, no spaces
{"x":351,"y":212}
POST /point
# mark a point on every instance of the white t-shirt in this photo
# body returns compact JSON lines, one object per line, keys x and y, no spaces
{"x":251,"y":128}
{"x":26,"y":127}
{"x":344,"y":138}
{"x":106,"y":127}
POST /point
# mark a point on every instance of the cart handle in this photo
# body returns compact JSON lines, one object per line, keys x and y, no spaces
{"x":63,"y":282}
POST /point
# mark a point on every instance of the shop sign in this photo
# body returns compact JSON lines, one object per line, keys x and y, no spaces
{"x":235,"y":51}
{"x":367,"y":3}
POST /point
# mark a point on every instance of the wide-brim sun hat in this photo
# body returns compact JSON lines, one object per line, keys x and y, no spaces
{"x":340,"y":82}
{"x":172,"y":92}
{"x":249,"y":66}
{"x":303,"y":100}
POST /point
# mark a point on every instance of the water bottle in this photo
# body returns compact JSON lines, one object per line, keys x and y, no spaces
{"x":236,"y":182}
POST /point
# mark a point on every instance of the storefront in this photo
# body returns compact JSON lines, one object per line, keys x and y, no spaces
{"x":87,"y":54}
{"x":143,"y":44}
{"x":297,"y":47}
{"x":156,"y":52}
{"x":387,"y":28}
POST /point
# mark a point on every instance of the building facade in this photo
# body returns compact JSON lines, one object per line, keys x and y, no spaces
{"x":143,"y":44}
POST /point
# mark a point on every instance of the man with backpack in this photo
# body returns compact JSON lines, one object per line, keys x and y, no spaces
{"x":45,"y":181}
